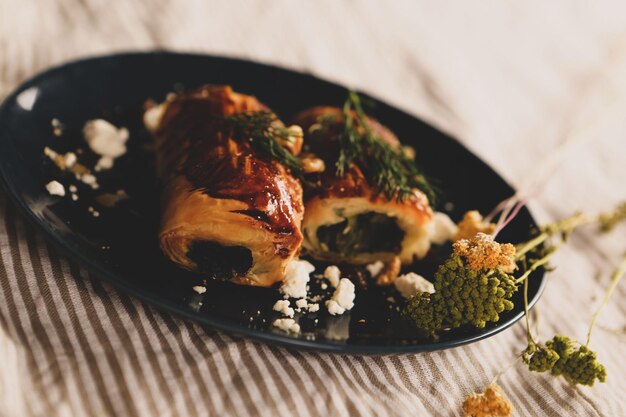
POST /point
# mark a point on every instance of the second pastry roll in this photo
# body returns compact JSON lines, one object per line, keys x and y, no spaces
{"x":346,"y":220}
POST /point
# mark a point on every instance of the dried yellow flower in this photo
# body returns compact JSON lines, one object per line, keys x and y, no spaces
{"x":482,"y":252}
{"x":491,"y":403}
{"x":471,"y":224}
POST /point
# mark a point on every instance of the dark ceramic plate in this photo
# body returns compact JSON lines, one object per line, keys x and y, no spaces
{"x":119,"y":245}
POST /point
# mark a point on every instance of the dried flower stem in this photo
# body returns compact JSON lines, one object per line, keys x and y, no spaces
{"x":528,"y":332}
{"x":618,"y":273}
{"x":565,"y":226}
{"x":506,"y":219}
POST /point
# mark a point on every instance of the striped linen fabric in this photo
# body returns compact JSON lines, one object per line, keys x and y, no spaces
{"x":71,"y":345}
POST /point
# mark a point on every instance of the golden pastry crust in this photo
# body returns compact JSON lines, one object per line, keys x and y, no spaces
{"x":217,"y":188}
{"x":352,"y":194}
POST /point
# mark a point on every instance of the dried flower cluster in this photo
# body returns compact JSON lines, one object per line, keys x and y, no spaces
{"x":462,"y":296}
{"x":481,"y":252}
{"x":491,"y":403}
{"x":471,"y":224}
{"x":560,"y":356}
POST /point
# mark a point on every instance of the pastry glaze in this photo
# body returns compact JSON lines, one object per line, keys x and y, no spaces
{"x":336,"y":198}
{"x":219,"y":189}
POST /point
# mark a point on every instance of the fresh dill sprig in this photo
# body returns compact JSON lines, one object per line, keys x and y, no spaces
{"x":263,"y":132}
{"x":392,"y":172}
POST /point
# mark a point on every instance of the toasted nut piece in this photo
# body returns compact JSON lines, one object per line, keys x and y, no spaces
{"x":390,"y":272}
{"x":313,"y":164}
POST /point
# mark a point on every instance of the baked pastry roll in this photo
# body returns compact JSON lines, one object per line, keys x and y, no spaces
{"x":346,"y":219}
{"x":228,"y":210}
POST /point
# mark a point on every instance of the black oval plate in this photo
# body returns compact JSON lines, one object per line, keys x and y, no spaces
{"x":120,"y":245}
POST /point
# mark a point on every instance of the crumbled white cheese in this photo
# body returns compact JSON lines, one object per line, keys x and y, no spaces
{"x":342,"y":299}
{"x":74,"y":197}
{"x":375,"y":268}
{"x":93,"y":211}
{"x":49,"y":152}
{"x":70,"y":159}
{"x":89,"y":179}
{"x":412,"y":283}
{"x":313,"y":307}
{"x":55,"y":188}
{"x":332,"y":274}
{"x":324,"y":285}
{"x":73,"y":188}
{"x":288,"y":325}
{"x":104,"y":163}
{"x":302,"y":303}
{"x":441,"y":228}
{"x":334,"y":308}
{"x":283,"y":307}
{"x":26,"y":99}
{"x":296,"y":278}
{"x":104,"y":138}
{"x":200,"y":289}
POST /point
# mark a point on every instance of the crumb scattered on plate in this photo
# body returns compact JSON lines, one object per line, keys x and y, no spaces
{"x":106,"y":140}
{"x":110,"y":199}
{"x":332,"y":274}
{"x":412,"y":283}
{"x":94,"y":212}
{"x":342,"y":299}
{"x":55,"y":188}
{"x":200,"y":289}
{"x":288,"y":325}
{"x":283,"y":307}
{"x":296,"y":278}
{"x":57,"y":127}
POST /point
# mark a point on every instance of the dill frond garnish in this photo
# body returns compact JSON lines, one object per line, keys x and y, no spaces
{"x":262,"y":130}
{"x":392,"y":172}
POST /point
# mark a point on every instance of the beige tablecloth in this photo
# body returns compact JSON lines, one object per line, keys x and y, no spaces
{"x":514,"y":81}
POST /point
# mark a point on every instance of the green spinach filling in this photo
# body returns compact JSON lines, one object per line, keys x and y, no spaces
{"x":368,"y":232}
{"x":221,"y":261}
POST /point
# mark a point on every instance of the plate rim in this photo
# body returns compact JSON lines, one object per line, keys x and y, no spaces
{"x":232,"y":329}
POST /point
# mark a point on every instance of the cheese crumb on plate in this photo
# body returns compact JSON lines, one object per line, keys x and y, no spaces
{"x":332,"y":274}
{"x":441,"y":228}
{"x":283,"y":307}
{"x":342,"y":299}
{"x":200,"y":289}
{"x":55,"y":188}
{"x":105,"y":139}
{"x":296,"y":278}
{"x":288,"y":325}
{"x":412,"y":283}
